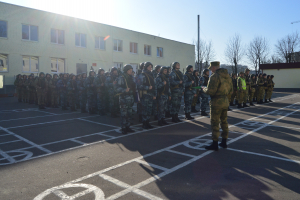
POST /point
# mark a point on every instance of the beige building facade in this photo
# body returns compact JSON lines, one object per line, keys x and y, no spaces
{"x":33,"y":41}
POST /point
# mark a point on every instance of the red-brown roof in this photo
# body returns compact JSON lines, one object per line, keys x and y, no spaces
{"x":280,"y":66}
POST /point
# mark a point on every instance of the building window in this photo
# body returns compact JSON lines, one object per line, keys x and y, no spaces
{"x":133,"y":47}
{"x":57,"y":65}
{"x":80,"y":40}
{"x":1,"y":81}
{"x":118,"y":65}
{"x":29,"y":32}
{"x":3,"y":63}
{"x":30,"y":64}
{"x":3,"y":29}
{"x":57,"y":36}
{"x":147,"y":50}
{"x":99,"y":43}
{"x":118,"y":45}
{"x":159,"y":52}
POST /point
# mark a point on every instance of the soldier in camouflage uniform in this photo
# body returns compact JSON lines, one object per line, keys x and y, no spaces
{"x":54,"y":91}
{"x":147,"y":88}
{"x":48,"y":92}
{"x":82,"y":92}
{"x":219,"y":86}
{"x":91,"y":92}
{"x":241,"y":90}
{"x":163,"y":94}
{"x":177,"y":90}
{"x":234,"y":93}
{"x":204,"y":97}
{"x":189,"y":92}
{"x":77,"y":100}
{"x":41,"y":88}
{"x":252,"y":89}
{"x":31,"y":89}
{"x":169,"y":103}
{"x":260,"y":83}
{"x":125,"y":87}
{"x":71,"y":88}
{"x":271,"y":82}
{"x":195,"y":98}
{"x":248,"y":82}
{"x":25,"y":90}
{"x":110,"y":84}
{"x":62,"y":86}
{"x":265,"y":88}
{"x":139,"y":105}
{"x":155,"y":72}
{"x":99,"y":82}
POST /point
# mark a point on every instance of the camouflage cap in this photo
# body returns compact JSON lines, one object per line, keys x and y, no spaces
{"x":214,"y":64}
{"x":247,"y":70}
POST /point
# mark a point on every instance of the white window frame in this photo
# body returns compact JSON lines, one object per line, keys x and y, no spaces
{"x":30,"y":64}
{"x":6,"y":29}
{"x":29,"y":33}
{"x":117,"y":45}
{"x":116,"y":64}
{"x":157,"y":52}
{"x":6,"y":62}
{"x":56,"y":32}
{"x":133,"y":43}
{"x":80,"y":40}
{"x":145,"y":53}
{"x":57,"y":65}
{"x":99,"y":37}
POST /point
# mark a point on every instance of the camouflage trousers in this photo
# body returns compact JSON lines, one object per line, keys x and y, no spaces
{"x":54,"y":98}
{"x":139,"y":108}
{"x":25,"y":94}
{"x":113,"y":103}
{"x":19,"y":93}
{"x":48,"y":97}
{"x":162,"y":102}
{"x":63,"y":99}
{"x":91,"y":99}
{"x":240,"y":96}
{"x":233,"y":96}
{"x":251,"y":96}
{"x":154,"y":107}
{"x":71,"y":99}
{"x":188,"y":98}
{"x":169,"y":105}
{"x":83,"y":100}
{"x":260,"y":93}
{"x":176,"y":103}
{"x":147,"y":103}
{"x":126,"y":102}
{"x":41,"y":97}
{"x":219,"y":113}
{"x":246,"y":94}
{"x":195,"y":99}
{"x":204,"y":102}
{"x":269,"y":93}
{"x":100,"y":101}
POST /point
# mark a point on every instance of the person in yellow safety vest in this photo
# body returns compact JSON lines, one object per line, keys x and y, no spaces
{"x":241,"y":90}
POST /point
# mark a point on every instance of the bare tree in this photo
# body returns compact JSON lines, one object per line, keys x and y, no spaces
{"x":210,"y":53}
{"x":206,"y":53}
{"x":257,"y":51}
{"x":275,"y":59}
{"x":234,"y":51}
{"x":286,"y":46}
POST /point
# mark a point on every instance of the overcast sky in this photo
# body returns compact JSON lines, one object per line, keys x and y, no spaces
{"x":177,"y":20}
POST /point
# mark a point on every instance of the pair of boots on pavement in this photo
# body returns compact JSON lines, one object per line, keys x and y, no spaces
{"x":214,"y":145}
{"x":203,"y":113}
{"x":244,"y":105}
{"x":175,"y":118}
{"x":162,"y":122}
{"x":147,"y":125}
{"x":126,"y":130}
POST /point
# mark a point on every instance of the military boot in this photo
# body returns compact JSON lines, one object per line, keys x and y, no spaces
{"x":223,"y":143}
{"x":245,"y":105}
{"x":240,"y":106}
{"x":159,"y":123}
{"x":270,"y":100}
{"x":251,"y":104}
{"x":124,"y":131}
{"x":194,"y":109}
{"x":174,"y":119}
{"x":203,"y":113}
{"x":148,"y":124}
{"x":178,"y":120}
{"x":140,"y":118}
{"x":164,"y":121}
{"x":145,"y":126}
{"x":188,"y":116}
{"x":213,"y":146}
{"x":266,"y":101}
{"x":129,"y":130}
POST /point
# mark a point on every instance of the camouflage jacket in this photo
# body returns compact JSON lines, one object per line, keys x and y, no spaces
{"x":109,"y":84}
{"x":162,"y":89}
{"x":145,"y":80}
{"x":99,"y":82}
{"x":72,"y":87}
{"x":89,"y":85}
{"x":80,"y":86}
{"x":123,"y":82}
{"x":187,"y":79}
{"x":62,"y":85}
{"x":175,"y":78}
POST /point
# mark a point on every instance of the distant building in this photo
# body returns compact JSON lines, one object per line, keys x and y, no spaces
{"x":33,"y":41}
{"x":286,"y":75}
{"x":295,"y":57}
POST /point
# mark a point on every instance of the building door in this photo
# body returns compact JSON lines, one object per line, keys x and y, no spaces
{"x":81,"y":68}
{"x":118,"y":65}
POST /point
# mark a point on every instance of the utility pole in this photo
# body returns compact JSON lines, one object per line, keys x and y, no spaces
{"x":199,"y":67}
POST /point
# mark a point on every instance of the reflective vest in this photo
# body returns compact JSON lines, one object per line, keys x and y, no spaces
{"x":243,"y":83}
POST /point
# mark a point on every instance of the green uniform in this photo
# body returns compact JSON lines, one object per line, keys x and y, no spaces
{"x":247,"y":92}
{"x":219,"y":86}
{"x":241,"y":90}
{"x":260,"y":84}
{"x":252,"y":90}
{"x":41,"y":88}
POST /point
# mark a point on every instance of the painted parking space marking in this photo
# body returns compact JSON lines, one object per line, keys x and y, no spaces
{"x":264,"y":155}
{"x":97,"y":123}
{"x":168,"y":171}
{"x":151,"y":165}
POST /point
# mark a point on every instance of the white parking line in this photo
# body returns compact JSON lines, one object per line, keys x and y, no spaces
{"x":151,"y":165}
{"x":10,"y":141}
{"x":99,"y":123}
{"x":264,"y":155}
{"x":184,"y":154}
{"x":168,"y":171}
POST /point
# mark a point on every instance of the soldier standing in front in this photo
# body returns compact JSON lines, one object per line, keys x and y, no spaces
{"x":219,"y":86}
{"x":204,"y":97}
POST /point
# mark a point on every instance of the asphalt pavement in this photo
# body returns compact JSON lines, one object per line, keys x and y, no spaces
{"x":53,"y":154}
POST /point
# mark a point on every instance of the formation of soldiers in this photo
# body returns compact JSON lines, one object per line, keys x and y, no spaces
{"x":157,"y":91}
